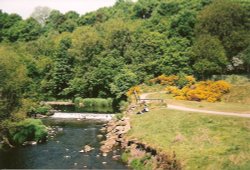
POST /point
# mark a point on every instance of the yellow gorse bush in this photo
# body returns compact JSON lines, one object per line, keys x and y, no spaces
{"x":210,"y":91}
{"x":132,"y":90}
{"x":172,"y":80}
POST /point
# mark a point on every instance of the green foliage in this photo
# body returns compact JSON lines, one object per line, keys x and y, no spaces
{"x":94,"y":104}
{"x":122,"y":82}
{"x":103,"y":53}
{"x":209,"y":56}
{"x":13,"y":79}
{"x":123,"y":105}
{"x":137,"y":164}
{"x":62,"y":70}
{"x":42,"y":110}
{"x":26,"y":30}
{"x":227,"y":20}
{"x":97,"y":102}
{"x":119,"y":116}
{"x":28,"y":130}
{"x":125,"y":157}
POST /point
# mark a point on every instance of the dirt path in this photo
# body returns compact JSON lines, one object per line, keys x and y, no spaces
{"x":182,"y":108}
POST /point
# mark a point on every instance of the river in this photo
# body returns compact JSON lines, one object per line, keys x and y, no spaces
{"x":61,"y":151}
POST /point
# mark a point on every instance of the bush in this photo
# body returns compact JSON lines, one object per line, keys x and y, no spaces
{"x":94,"y":104}
{"x":119,"y":116}
{"x":28,"y":130}
{"x":123,"y":105}
{"x":210,"y":91}
{"x":132,"y":90}
{"x":43,"y":110}
{"x":181,"y":80}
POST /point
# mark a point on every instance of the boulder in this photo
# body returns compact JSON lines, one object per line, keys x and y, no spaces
{"x":116,"y":157}
{"x":99,"y":136}
{"x":87,"y":148}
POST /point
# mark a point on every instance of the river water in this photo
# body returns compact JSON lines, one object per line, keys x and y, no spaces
{"x":61,"y":151}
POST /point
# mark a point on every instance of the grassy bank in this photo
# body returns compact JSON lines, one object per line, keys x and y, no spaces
{"x":223,"y":106}
{"x":237,"y":100}
{"x":200,"y":141}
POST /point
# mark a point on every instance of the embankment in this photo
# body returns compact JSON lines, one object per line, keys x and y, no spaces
{"x":137,"y":154}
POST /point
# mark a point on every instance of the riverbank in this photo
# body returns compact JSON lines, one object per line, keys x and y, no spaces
{"x":198,"y":141}
{"x":137,"y":154}
{"x":171,"y":139}
{"x":62,"y":150}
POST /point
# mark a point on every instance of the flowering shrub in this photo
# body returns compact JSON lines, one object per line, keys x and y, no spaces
{"x":210,"y":91}
{"x":173,"y":80}
{"x":134,"y":89}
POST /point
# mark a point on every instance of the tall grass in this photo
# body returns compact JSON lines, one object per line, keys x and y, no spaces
{"x":233,"y":79}
{"x":94,"y":104}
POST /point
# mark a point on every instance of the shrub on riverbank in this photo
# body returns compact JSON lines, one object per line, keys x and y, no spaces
{"x":28,"y":130}
{"x":94,"y":104}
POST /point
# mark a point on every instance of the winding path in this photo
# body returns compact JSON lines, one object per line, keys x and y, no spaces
{"x":182,"y":108}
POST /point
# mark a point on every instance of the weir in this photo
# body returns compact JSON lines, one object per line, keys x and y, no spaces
{"x":93,"y":116}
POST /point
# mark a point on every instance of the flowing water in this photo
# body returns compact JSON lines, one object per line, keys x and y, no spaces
{"x":61,"y":151}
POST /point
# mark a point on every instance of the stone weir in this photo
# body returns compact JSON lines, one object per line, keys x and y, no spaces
{"x":93,"y":116}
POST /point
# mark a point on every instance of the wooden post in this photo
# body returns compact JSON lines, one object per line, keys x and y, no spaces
{"x":136,"y":96}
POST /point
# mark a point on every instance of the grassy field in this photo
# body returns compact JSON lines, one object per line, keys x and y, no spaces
{"x":200,"y":141}
{"x":237,"y":100}
{"x":217,"y":106}
{"x":238,"y":94}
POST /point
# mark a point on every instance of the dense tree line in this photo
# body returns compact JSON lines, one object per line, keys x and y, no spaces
{"x":103,"y":53}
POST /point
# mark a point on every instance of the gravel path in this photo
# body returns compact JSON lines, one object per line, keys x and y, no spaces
{"x":182,"y":108}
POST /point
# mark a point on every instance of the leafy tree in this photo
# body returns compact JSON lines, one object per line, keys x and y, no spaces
{"x":6,"y":22}
{"x":67,"y":26}
{"x":72,"y":15}
{"x":183,"y":24}
{"x":55,"y":19}
{"x":143,"y":8}
{"x":209,"y":56}
{"x":122,"y":82}
{"x":229,"y":21}
{"x":168,"y":8}
{"x":25,"y":30}
{"x":13,"y":78}
{"x":61,"y":72}
{"x":41,"y":14}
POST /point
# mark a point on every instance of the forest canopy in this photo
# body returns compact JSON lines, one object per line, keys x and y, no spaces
{"x":52,"y":55}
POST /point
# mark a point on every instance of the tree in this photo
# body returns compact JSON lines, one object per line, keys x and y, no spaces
{"x":72,"y":15}
{"x":183,"y":24}
{"x":41,"y":14}
{"x":175,"y":58}
{"x":25,"y":30}
{"x":209,"y":56}
{"x":229,"y":21}
{"x":143,"y":8}
{"x":55,"y":19}
{"x":123,"y":82}
{"x":13,"y":78}
{"x":6,"y":22}
{"x":61,"y":72}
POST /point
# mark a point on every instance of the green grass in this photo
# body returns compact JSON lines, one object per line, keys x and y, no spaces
{"x":239,"y":94}
{"x":200,"y":141}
